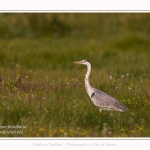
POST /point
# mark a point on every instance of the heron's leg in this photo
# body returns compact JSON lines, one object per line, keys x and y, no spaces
{"x":111,"y":113}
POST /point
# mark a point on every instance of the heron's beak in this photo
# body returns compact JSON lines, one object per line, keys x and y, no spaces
{"x":77,"y":62}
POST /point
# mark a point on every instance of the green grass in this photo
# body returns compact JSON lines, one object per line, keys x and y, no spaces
{"x":41,"y":89}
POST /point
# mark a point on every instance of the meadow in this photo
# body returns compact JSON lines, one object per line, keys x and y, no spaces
{"x":42,"y":92}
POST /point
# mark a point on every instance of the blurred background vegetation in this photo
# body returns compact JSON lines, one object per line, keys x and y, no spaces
{"x":33,"y":25}
{"x":55,"y":32}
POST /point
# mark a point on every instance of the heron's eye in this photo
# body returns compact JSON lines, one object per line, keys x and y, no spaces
{"x":87,"y":60}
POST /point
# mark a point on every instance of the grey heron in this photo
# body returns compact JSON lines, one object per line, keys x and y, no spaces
{"x":100,"y":98}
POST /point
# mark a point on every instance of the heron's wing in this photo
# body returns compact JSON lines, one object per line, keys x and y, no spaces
{"x":105,"y":101}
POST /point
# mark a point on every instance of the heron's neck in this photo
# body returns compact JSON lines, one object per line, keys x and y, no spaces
{"x":88,"y":73}
{"x":87,"y":84}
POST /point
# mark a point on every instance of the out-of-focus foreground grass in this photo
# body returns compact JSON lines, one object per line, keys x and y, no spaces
{"x":42,"y":92}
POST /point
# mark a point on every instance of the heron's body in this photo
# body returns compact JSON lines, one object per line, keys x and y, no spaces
{"x":100,"y":98}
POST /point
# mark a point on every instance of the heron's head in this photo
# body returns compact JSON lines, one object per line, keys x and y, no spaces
{"x":83,"y":62}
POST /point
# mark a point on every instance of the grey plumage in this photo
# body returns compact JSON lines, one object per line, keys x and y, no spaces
{"x":100,"y":98}
{"x":106,"y":102}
